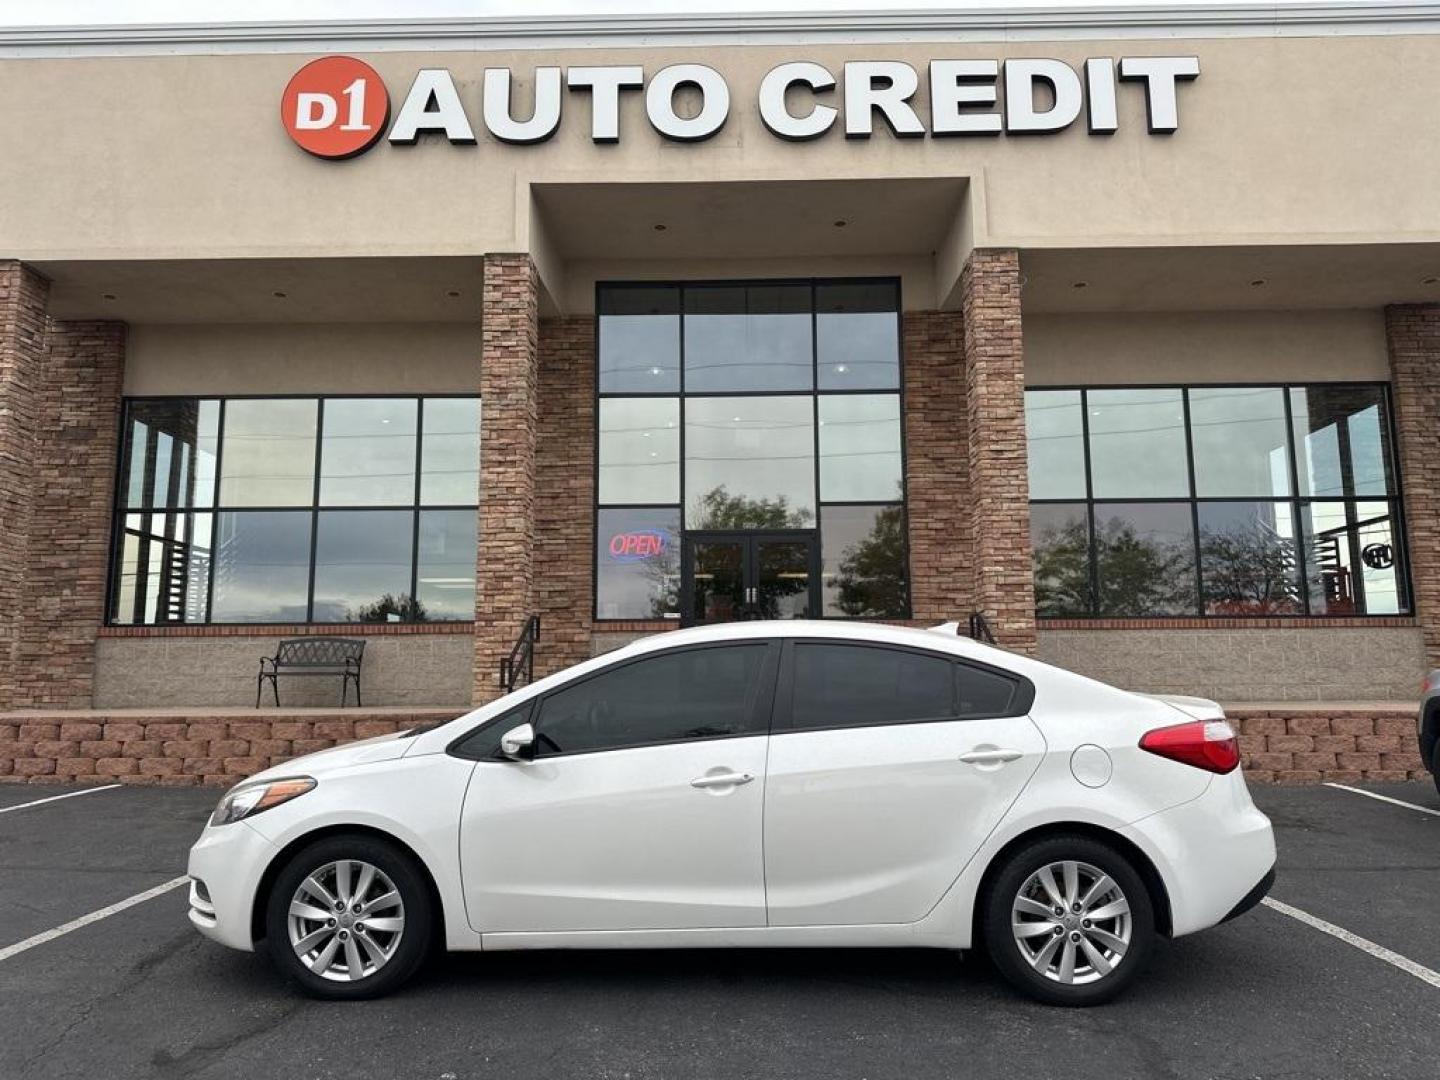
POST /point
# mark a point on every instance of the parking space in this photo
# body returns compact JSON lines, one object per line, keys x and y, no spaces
{"x":139,"y":994}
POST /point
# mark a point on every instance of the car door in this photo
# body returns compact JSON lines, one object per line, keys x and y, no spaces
{"x":888,"y":768}
{"x":642,"y":808}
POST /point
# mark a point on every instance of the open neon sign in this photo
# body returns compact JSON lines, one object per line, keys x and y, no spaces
{"x":637,"y":546}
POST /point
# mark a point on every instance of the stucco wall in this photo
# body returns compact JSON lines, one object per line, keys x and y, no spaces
{"x":160,"y":672}
{"x":1310,"y":664}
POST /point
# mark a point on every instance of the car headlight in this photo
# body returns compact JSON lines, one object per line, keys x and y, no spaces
{"x":246,"y":800}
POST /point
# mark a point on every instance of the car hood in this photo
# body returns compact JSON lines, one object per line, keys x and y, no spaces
{"x":1194,"y":707}
{"x":364,"y":752}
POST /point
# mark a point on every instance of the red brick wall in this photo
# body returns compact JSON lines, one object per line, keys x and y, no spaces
{"x":1413,"y":334}
{"x":78,"y":411}
{"x":564,"y":510}
{"x":999,"y":481}
{"x":23,"y":296}
{"x":505,"y":584}
{"x":1295,"y":744}
{"x":937,"y":467}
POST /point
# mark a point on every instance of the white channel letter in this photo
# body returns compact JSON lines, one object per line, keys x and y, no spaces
{"x":714,"y":102}
{"x":1100,"y":111}
{"x":432,"y":87}
{"x":1021,"y":116}
{"x":885,"y":86}
{"x":605,"y":84}
{"x":957,"y":85}
{"x":1160,"y":74}
{"x":542,"y":123}
{"x":778,"y":118}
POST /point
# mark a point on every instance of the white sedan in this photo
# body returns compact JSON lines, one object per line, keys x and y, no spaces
{"x":754,"y":784}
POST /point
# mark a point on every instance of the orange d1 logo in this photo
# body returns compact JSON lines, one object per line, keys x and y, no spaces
{"x":335,"y":107}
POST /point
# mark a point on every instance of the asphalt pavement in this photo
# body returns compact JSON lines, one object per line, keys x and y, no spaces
{"x":140,"y":994}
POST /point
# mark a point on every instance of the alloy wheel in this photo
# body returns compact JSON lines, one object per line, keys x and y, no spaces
{"x":346,"y":920}
{"x":1071,"y":922}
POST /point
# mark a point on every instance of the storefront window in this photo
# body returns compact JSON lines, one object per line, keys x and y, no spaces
{"x":1191,"y":504}
{"x":784,"y":415}
{"x":279,"y":551}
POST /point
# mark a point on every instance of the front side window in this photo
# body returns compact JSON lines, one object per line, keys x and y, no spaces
{"x":1214,"y":500}
{"x":750,"y":406}
{"x":295,"y":510}
{"x":690,"y":694}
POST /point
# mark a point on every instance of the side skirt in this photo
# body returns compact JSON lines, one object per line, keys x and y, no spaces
{"x":887,"y":936}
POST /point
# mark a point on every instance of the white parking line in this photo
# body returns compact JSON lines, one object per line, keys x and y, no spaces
{"x":1384,"y":798}
{"x":57,"y":798}
{"x":94,"y":916}
{"x":1420,"y":971}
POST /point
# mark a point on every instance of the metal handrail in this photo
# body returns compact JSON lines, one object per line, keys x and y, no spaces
{"x":980,"y":629}
{"x":522,"y":656}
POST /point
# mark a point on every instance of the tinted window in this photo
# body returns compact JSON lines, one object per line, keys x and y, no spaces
{"x":984,"y":693}
{"x":857,"y":685}
{"x":485,"y":743}
{"x":748,"y":337}
{"x":692,"y":694}
{"x":639,"y":340}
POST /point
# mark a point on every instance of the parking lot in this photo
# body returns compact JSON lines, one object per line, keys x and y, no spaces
{"x":139,"y":993}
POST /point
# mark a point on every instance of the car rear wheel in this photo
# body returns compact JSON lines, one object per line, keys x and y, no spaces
{"x":1068,"y":920}
{"x":349,"y":917}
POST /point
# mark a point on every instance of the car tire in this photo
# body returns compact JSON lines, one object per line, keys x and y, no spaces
{"x":1435,"y":767}
{"x":1029,"y":942}
{"x":317,"y":955}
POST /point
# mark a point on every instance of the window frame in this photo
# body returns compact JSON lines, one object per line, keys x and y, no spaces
{"x":814,"y":393}
{"x":759,"y":710}
{"x":783,"y":719}
{"x":119,"y":510}
{"x":1294,"y":500}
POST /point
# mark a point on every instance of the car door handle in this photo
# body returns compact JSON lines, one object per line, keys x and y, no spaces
{"x":991,"y":757}
{"x":724,"y":779}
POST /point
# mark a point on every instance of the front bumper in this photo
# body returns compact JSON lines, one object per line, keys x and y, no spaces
{"x":226,"y":865}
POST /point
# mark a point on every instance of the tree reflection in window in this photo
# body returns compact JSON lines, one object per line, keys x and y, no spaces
{"x":871,"y":578}
{"x":1144,"y":560}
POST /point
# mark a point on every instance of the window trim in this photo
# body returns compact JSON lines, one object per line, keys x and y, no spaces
{"x":783,"y":721}
{"x":759,"y":710}
{"x":119,"y":511}
{"x":1297,"y":502}
{"x":814,"y":393}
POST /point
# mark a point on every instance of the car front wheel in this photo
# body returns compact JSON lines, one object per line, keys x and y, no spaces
{"x":348,"y":917}
{"x":1068,"y":920}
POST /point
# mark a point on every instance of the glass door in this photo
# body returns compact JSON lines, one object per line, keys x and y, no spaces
{"x":754,"y":575}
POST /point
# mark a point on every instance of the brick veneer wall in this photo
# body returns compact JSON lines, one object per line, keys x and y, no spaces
{"x":504,"y":580}
{"x":23,"y":296}
{"x":164,"y":748}
{"x":1291,"y":744}
{"x":565,"y":476}
{"x":1412,"y":334}
{"x":999,"y":481}
{"x":937,"y":466}
{"x":68,"y":541}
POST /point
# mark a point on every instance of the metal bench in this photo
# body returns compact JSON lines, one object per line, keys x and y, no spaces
{"x":314,"y":656}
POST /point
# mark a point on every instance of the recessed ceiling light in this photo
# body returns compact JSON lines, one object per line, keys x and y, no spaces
{"x":1080,"y":285}
{"x":656,"y":371}
{"x":644,"y":434}
{"x":278,"y":295}
{"x":108,"y":296}
{"x":735,"y":419}
{"x":661,"y":228}
{"x":841,"y":223}
{"x":1423,"y":281}
{"x":1257,"y":283}
{"x":453,"y":294}
{"x":841,"y":369}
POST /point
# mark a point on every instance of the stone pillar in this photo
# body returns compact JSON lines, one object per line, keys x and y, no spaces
{"x":76,"y":450}
{"x":23,"y":296}
{"x":1412,"y":333}
{"x":565,"y":515}
{"x":999,"y":483}
{"x":504,"y":579}
{"x":937,"y":482}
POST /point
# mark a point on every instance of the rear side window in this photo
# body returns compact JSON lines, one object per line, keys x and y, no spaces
{"x":706,"y":693}
{"x":986,"y":693}
{"x":859,"y":685}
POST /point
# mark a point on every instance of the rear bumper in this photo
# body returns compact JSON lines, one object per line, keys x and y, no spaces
{"x":1254,"y":896}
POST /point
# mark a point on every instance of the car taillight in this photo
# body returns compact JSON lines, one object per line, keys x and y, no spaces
{"x":1206,"y":744}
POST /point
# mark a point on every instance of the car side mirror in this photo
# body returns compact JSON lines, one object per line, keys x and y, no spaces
{"x":518,"y":744}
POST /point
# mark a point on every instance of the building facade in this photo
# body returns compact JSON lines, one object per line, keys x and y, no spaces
{"x":1121,"y":331}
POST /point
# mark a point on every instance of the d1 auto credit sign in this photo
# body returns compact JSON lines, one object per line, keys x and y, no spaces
{"x":335,"y":107}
